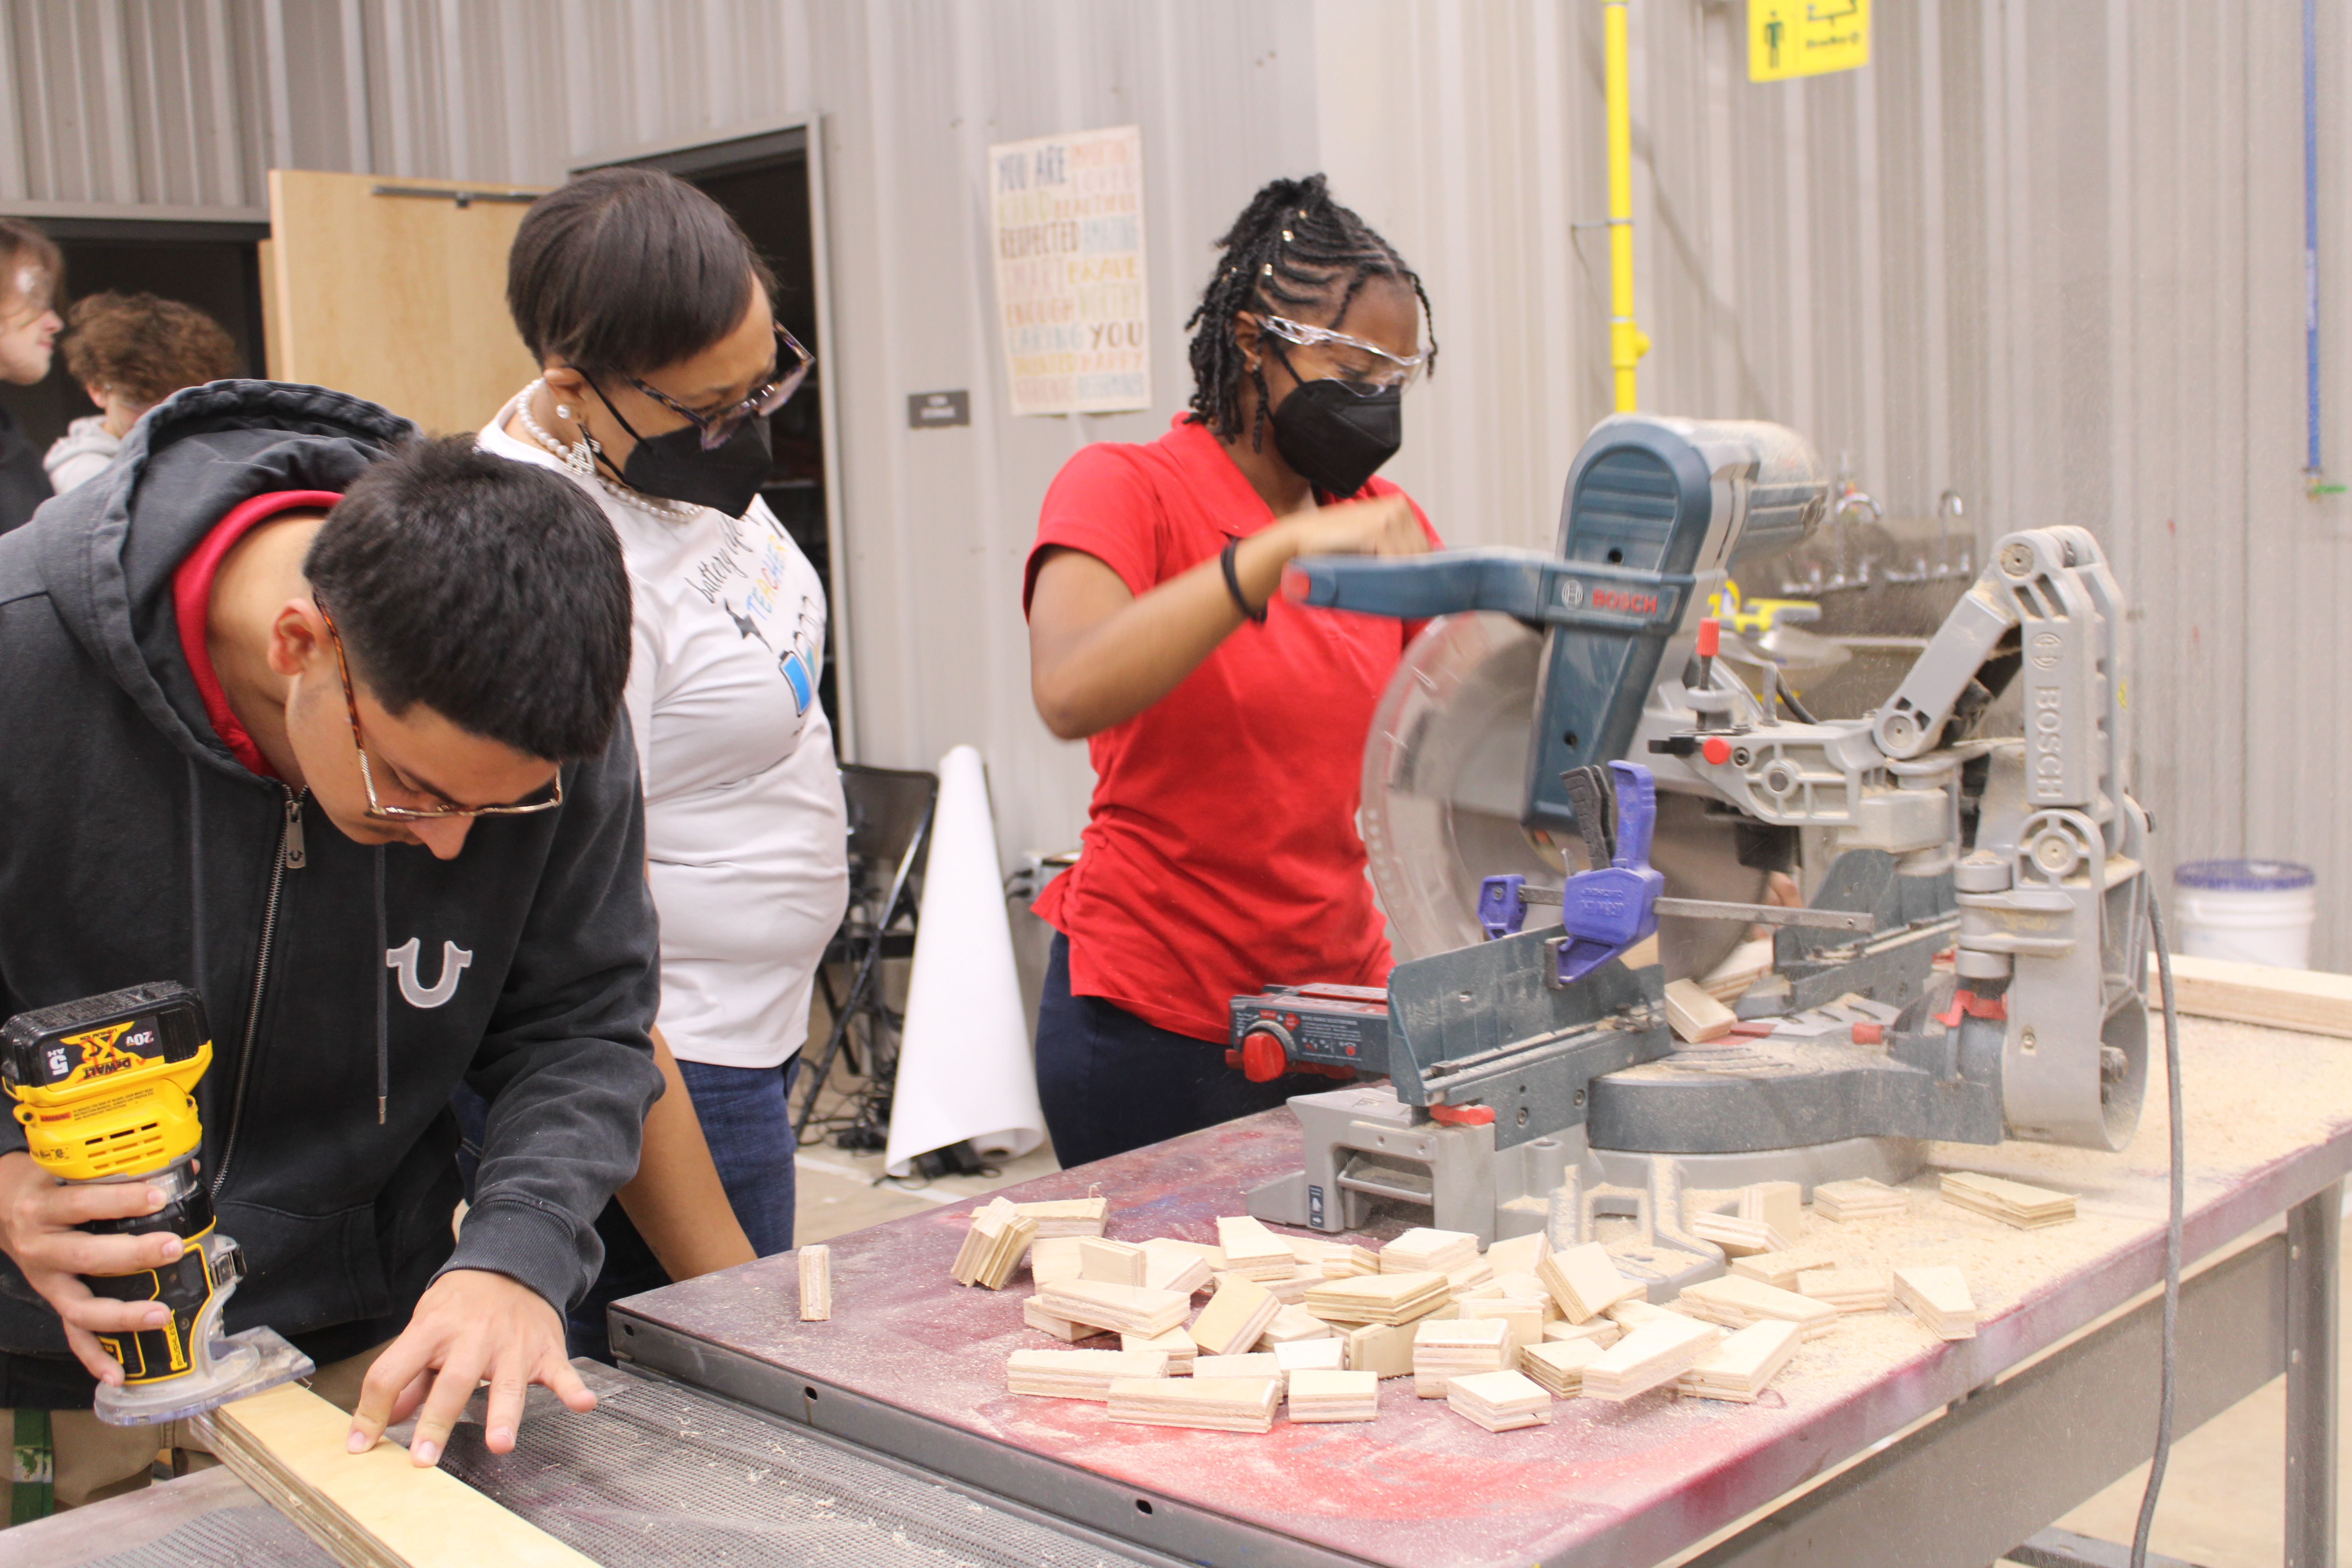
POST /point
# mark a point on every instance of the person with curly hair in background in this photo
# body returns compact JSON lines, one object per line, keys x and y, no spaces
{"x":130,"y":351}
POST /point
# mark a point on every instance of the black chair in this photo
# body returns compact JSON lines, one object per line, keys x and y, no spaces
{"x":889,"y":838}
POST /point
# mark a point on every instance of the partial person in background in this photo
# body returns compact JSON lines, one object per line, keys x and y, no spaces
{"x":654,"y":320}
{"x":1226,"y":727}
{"x":30,"y":271}
{"x":130,"y":351}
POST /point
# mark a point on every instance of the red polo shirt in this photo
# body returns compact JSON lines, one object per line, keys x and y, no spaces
{"x":1221,"y":852}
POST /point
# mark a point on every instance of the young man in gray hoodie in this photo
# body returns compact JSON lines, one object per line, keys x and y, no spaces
{"x":325,"y":721}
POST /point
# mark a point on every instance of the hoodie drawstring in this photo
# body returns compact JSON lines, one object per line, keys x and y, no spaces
{"x":196,"y":921}
{"x":383,"y":1001}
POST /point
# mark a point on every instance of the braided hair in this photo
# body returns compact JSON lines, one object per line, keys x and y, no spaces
{"x":1293,"y":247}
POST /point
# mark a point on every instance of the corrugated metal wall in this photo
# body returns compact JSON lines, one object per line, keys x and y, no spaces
{"x":2045,"y":257}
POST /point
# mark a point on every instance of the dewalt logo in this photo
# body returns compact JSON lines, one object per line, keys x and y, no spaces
{"x":101,"y":1057}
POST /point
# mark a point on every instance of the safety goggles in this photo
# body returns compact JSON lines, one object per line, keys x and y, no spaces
{"x":717,"y":428}
{"x":1364,"y":368}
{"x":376,"y":810}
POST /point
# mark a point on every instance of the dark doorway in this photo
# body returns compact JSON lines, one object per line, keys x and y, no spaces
{"x":214,"y":267}
{"x":764,"y":183}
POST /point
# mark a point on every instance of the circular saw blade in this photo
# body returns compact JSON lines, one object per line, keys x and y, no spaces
{"x":1444,"y":777}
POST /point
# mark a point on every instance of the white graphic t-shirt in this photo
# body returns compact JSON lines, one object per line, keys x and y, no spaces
{"x":744,"y":825}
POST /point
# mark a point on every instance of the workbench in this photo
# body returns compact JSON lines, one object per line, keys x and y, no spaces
{"x":2036,"y":1414}
{"x":1879,"y":1445}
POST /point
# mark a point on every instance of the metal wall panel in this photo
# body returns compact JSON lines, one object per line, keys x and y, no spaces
{"x":2045,"y":257}
{"x":2048,"y":257}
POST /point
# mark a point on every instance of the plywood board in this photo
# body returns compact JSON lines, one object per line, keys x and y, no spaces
{"x":1252,"y":1249}
{"x":1220,"y":1403}
{"x":1122,"y":1308}
{"x":1112,"y":1262}
{"x":1584,"y":1282}
{"x":377,"y":1510}
{"x":1694,"y":1015}
{"x":1500,"y":1401}
{"x":1236,"y":1316}
{"x":1326,"y":1394}
{"x":1070,"y":1216}
{"x":2303,"y":999}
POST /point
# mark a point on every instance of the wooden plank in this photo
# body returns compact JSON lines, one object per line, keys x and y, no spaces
{"x":1077,"y":1374}
{"x":1321,"y":1393}
{"x":1250,"y":1248}
{"x":1112,"y":1262}
{"x":1069,"y":1216}
{"x":1053,"y":1258}
{"x":1583,"y":1282}
{"x":2310,"y":1001}
{"x":1044,"y":1322}
{"x":1500,"y":1401}
{"x":1122,"y":1308}
{"x":1938,"y":1296}
{"x":1694,"y":1016}
{"x":376,"y":1510}
{"x":2016,"y":1204}
{"x":1170,"y":1266}
{"x":1236,"y":1316}
{"x":1220,"y":1403}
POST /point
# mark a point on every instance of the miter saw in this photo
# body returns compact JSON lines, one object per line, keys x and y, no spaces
{"x":1586,"y":697}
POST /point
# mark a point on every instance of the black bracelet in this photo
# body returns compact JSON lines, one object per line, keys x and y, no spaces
{"x":1234,"y":583}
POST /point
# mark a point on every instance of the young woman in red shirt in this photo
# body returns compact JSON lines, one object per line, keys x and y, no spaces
{"x":1226,"y":725}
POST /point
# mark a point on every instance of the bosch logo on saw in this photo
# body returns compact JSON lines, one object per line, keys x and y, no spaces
{"x":1576,"y":596}
{"x":2049,"y":742}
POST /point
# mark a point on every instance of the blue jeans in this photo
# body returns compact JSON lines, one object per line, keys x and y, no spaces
{"x":1109,"y":1082}
{"x":747,"y":1120}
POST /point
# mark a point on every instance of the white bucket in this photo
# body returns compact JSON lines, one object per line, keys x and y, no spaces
{"x":2255,"y":912}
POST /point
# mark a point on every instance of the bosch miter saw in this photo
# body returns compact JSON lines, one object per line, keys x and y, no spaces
{"x":1968,"y":967}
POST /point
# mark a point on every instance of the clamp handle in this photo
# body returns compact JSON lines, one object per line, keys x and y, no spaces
{"x":1607,"y":910}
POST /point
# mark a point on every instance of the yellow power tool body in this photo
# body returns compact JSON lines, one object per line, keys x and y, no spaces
{"x":105,"y":1092}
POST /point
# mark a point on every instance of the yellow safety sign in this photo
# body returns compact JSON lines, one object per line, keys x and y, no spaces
{"x":1806,"y":38}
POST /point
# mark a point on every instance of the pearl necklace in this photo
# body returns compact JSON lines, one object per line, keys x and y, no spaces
{"x":579,"y":460}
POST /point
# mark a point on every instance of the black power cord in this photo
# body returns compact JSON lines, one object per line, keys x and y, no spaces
{"x":2171,"y":1242}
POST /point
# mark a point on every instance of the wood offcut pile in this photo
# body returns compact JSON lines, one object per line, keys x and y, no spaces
{"x":1315,"y":1326}
{"x":2012,"y":1203}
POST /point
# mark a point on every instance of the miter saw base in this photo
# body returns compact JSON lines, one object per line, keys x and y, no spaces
{"x":1364,"y":1151}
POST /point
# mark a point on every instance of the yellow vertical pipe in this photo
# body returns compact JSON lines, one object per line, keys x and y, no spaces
{"x":1626,"y":343}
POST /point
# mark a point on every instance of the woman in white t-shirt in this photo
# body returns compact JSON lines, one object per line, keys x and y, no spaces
{"x":651,"y":314}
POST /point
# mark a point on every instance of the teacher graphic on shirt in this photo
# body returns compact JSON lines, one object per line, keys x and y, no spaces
{"x":1226,"y":726}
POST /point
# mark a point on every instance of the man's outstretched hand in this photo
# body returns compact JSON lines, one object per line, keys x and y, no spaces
{"x":470,"y":1326}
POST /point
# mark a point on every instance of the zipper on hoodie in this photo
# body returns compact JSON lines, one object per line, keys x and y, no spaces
{"x":290,"y":857}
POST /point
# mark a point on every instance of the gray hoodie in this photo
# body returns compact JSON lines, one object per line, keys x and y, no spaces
{"x":80,"y":454}
{"x":133,"y":847}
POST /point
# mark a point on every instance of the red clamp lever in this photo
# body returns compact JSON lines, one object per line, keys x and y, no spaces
{"x":1992,"y":1008}
{"x":1462,"y":1115}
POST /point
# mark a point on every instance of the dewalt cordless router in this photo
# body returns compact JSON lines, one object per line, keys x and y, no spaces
{"x":104,"y":1088}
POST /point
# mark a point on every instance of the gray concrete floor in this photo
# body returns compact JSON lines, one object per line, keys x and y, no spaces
{"x":2223,"y":1490}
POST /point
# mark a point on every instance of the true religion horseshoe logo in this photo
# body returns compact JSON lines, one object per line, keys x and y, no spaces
{"x":453,"y":960}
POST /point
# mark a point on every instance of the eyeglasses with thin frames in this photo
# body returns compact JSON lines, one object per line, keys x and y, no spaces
{"x":717,"y":428}
{"x":376,"y":810}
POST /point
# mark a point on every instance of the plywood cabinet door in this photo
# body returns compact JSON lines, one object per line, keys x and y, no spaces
{"x":400,"y":299}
